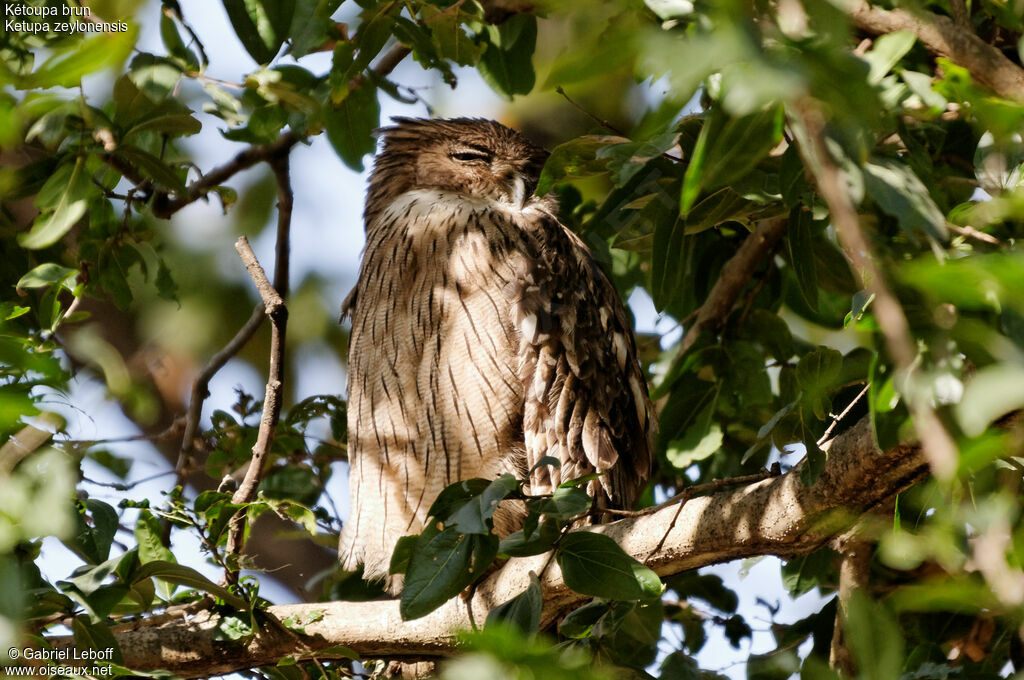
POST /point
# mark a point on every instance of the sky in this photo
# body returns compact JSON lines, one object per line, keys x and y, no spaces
{"x":327,"y":240}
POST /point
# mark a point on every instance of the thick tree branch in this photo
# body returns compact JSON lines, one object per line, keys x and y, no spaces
{"x":778,"y":516}
{"x":942,"y":36}
{"x":735,"y":274}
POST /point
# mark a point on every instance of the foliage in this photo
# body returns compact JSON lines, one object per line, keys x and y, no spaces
{"x":705,"y":123}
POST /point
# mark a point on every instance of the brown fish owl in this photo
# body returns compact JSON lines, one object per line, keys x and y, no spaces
{"x":484,"y":337}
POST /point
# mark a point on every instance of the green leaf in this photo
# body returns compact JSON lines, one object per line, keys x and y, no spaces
{"x":818,"y":569}
{"x":565,"y":503}
{"x":900,"y":193}
{"x":738,"y":144}
{"x":449,"y":38}
{"x":992,"y":392}
{"x":151,"y":548}
{"x":404,"y":548}
{"x":593,"y":564}
{"x":780,"y":664}
{"x":441,"y":565}
{"x":522,"y":611}
{"x":474,"y":517}
{"x":46,"y":275}
{"x":311,"y":25}
{"x":67,"y":66}
{"x":580,"y":622}
{"x":374,"y":31}
{"x":63,"y":200}
{"x":181,"y":575}
{"x":573,"y":159}
{"x":152,"y":167}
{"x":627,"y":158}
{"x":522,"y":543}
{"x":261,"y":25}
{"x":507,"y":63}
{"x":801,"y":256}
{"x":694,"y":176}
{"x":233,"y":628}
{"x":454,"y":496}
{"x":350,"y":125}
{"x":95,"y":636}
{"x":92,"y":543}
{"x":817,"y":370}
{"x":176,"y":47}
{"x":980,"y":282}
{"x":887,"y":52}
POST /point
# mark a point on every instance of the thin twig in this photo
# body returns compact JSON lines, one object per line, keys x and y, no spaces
{"x":691,"y":491}
{"x":600,"y":121}
{"x":836,"y":419}
{"x":939,"y":447}
{"x":278,"y":314}
{"x":165,"y":207}
{"x":272,"y":300}
{"x":971,"y":232}
{"x":606,"y":124}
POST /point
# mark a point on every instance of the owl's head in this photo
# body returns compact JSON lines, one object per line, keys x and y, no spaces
{"x":471,"y":156}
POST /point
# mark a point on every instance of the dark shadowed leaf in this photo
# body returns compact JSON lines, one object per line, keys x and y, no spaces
{"x":310,"y":24}
{"x":573,"y":159}
{"x":350,"y":125}
{"x":507,"y":63}
{"x":95,"y":636}
{"x":93,"y":537}
{"x":801,"y":256}
{"x":522,"y":544}
{"x":474,"y":517}
{"x":565,"y":503}
{"x":818,"y":569}
{"x":261,"y":25}
{"x":450,"y":39}
{"x":523,"y":610}
{"x":441,"y":565}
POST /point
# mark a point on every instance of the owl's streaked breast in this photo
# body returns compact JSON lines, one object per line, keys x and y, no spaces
{"x":436,"y":354}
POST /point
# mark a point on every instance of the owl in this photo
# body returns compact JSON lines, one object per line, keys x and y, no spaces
{"x":484,"y":337}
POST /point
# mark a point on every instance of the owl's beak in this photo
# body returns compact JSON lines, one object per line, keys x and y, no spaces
{"x":517,"y":187}
{"x":519,"y":193}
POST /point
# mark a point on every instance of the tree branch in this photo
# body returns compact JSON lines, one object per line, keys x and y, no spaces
{"x":778,"y":516}
{"x":278,"y":314}
{"x":854,"y":570}
{"x":942,"y":36}
{"x":938,"y":445}
{"x":735,"y":274}
{"x":164,"y":207}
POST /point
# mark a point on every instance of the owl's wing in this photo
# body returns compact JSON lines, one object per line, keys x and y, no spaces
{"x":586,"y":400}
